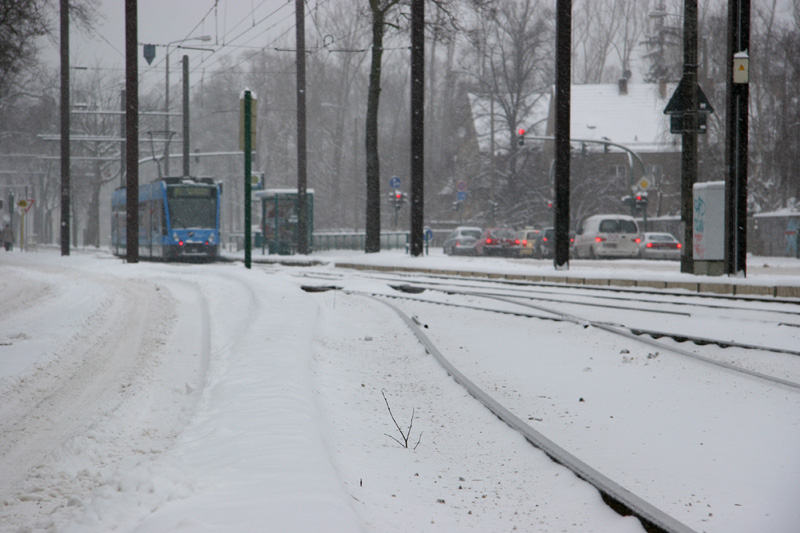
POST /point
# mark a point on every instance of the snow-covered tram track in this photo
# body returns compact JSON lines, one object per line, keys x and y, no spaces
{"x":618,"y":497}
{"x":622,"y":330}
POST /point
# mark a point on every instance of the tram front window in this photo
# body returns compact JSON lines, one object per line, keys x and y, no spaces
{"x":192,"y":207}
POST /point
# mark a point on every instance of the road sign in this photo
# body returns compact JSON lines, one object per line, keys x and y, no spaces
{"x":427,"y":234}
{"x":461,"y":196}
{"x":677,"y":104}
{"x":25,"y":204}
{"x":644,"y":183}
{"x":394,"y":183}
{"x":461,"y":186}
{"x":149,"y":53}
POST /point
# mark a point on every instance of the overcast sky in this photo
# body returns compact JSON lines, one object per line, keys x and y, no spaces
{"x":234,"y":26}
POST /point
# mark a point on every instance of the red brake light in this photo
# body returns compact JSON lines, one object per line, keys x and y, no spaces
{"x":637,"y":240}
{"x":524,"y":242}
{"x":180,"y":243}
{"x":544,"y":239}
{"x":516,"y":241}
{"x":679,"y":246}
{"x":649,"y":245}
{"x":488,"y":241}
{"x":598,"y":239}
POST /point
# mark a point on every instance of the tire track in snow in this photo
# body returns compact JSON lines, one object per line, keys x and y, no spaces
{"x":108,"y":394}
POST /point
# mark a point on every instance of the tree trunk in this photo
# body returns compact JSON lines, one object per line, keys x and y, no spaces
{"x":373,"y":238}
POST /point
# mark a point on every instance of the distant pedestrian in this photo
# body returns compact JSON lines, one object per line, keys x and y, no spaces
{"x":8,"y":238}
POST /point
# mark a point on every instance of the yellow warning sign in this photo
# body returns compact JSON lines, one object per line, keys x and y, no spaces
{"x":741,"y":68}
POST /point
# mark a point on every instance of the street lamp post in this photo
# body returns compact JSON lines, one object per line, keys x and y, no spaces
{"x":203,"y":38}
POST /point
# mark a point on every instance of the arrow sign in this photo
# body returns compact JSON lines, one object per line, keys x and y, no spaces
{"x":677,"y":104}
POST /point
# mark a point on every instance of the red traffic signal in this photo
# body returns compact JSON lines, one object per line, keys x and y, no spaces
{"x":521,"y":138}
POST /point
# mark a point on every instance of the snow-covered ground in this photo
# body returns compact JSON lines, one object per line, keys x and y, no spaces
{"x":165,"y":397}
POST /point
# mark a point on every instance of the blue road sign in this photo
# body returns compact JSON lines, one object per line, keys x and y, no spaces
{"x":394,"y":183}
{"x":461,"y":196}
{"x":428,"y":235}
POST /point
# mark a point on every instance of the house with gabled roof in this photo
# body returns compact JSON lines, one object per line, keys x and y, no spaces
{"x":604,"y":119}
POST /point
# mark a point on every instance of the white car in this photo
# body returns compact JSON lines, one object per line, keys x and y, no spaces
{"x":659,"y":246}
{"x":607,"y":236}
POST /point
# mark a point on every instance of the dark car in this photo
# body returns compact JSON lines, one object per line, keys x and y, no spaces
{"x":496,"y":241}
{"x":544,"y":246}
{"x":462,"y":241}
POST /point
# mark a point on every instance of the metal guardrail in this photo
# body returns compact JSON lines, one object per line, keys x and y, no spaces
{"x":390,"y":240}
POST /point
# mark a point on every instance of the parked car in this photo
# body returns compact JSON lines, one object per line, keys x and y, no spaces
{"x":462,"y":240}
{"x":544,"y":247}
{"x":607,"y":236}
{"x":496,"y":241}
{"x":525,"y":242}
{"x":659,"y":246}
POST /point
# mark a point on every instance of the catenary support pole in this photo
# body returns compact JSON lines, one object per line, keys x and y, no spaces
{"x":689,"y":136}
{"x":65,"y":177}
{"x":562,"y":151}
{"x":302,"y":203}
{"x":186,"y":160}
{"x":417,"y":125}
{"x":248,"y":172}
{"x":736,"y":139}
{"x":132,"y":132}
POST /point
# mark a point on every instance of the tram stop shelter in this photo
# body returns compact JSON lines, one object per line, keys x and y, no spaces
{"x":279,"y":220}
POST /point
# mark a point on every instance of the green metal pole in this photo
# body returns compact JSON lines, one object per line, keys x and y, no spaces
{"x":248,"y":153}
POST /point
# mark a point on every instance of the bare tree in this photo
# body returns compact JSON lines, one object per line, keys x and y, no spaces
{"x":510,"y":53}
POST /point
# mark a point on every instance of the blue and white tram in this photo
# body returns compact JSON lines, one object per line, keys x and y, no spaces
{"x":178,"y":219}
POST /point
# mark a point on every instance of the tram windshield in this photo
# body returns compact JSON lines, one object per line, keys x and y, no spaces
{"x":192,"y":207}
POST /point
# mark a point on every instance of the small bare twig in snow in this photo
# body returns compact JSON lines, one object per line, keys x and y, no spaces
{"x":404,"y":435}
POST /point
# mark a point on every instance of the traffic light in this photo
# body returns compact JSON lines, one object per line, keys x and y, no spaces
{"x":494,"y":207}
{"x":398,"y":199}
{"x":640,"y":202}
{"x":521,"y":137}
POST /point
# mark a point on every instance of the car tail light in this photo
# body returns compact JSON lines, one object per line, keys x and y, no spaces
{"x":524,"y":242}
{"x":599,"y":239}
{"x":180,"y":243}
{"x":679,"y":246}
{"x":488,"y":241}
{"x":649,"y":245}
{"x":516,"y":241}
{"x":544,"y":239}
{"x":637,"y":240}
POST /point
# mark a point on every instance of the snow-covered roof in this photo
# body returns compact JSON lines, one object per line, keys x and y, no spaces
{"x":635,"y":119}
{"x":598,"y":112}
